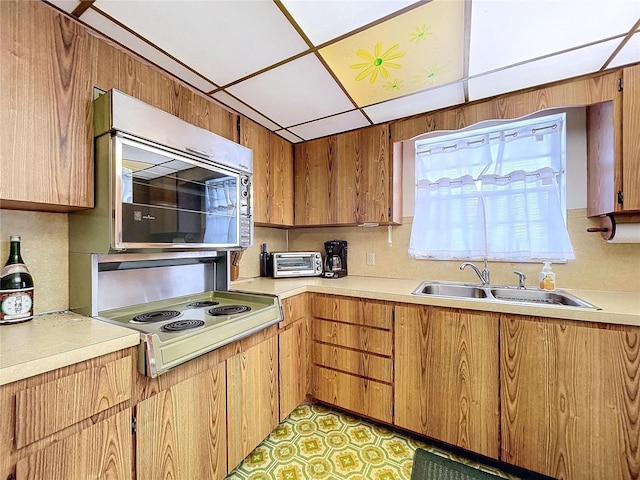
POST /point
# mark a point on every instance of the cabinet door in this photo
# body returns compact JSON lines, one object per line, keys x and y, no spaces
{"x":569,"y":398}
{"x":181,"y":431}
{"x":446,"y":367}
{"x":630,"y":137}
{"x":293,"y":354}
{"x":272,"y":174}
{"x":316,"y":194}
{"x":100,"y":451}
{"x":364,"y":176}
{"x":252,"y":398}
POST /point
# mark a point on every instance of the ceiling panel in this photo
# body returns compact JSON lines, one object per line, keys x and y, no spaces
{"x":142,"y":48}
{"x":66,"y":5}
{"x":630,"y":53}
{"x":328,"y":126}
{"x":434,"y":99}
{"x":294,"y":93}
{"x":415,"y":51}
{"x":322,"y":21}
{"x":226,"y":99}
{"x":506,"y":33}
{"x":549,"y":69}
{"x":223,"y":40}
{"x":288,"y":136}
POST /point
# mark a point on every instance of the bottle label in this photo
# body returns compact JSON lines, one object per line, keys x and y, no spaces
{"x":16,"y":305}
{"x":15,"y":268}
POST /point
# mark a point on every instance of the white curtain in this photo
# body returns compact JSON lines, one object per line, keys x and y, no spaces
{"x":449,"y":220}
{"x":494,"y":192}
{"x":524,"y":217}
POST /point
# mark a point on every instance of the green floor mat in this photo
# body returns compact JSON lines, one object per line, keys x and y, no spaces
{"x":429,"y":466}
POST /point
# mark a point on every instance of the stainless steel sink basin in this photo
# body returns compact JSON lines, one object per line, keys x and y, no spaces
{"x":451,"y":290}
{"x":501,"y":294}
{"x":555,"y":297}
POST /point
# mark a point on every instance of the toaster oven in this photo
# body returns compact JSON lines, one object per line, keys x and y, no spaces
{"x":296,"y":264}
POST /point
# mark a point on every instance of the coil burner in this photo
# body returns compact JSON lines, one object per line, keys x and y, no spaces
{"x":181,"y":325}
{"x":228,"y":310}
{"x":202,"y":304}
{"x":158,"y":316}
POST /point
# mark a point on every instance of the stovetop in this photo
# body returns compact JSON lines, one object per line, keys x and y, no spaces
{"x":178,"y":329}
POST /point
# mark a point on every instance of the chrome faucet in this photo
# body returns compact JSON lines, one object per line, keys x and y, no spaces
{"x":484,"y":275}
{"x":521,"y":279}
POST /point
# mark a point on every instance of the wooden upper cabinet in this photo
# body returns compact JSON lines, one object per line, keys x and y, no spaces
{"x":346,"y":179}
{"x":613,"y":150}
{"x":272,"y":174}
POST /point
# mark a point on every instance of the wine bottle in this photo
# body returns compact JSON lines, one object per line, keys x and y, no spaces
{"x":16,"y":287}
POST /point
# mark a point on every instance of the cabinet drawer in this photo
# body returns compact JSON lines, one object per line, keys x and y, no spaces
{"x":358,"y":363}
{"x":366,"y":397}
{"x":293,"y":308}
{"x":349,"y":310}
{"x":68,"y":400}
{"x":353,"y":336}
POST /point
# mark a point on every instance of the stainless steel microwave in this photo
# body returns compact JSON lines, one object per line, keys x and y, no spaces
{"x":296,"y":264}
{"x":162,"y":183}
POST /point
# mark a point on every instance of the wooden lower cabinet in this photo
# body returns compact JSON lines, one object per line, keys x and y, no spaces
{"x":446,"y":376}
{"x":181,"y":431}
{"x":252,"y":398}
{"x":71,"y":423}
{"x":570,"y":396}
{"x":352,"y":355}
{"x":293,"y":355}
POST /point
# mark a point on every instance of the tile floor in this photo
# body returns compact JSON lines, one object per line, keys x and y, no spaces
{"x":315,"y":442}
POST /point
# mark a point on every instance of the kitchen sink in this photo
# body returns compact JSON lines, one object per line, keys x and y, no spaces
{"x":501,"y":294}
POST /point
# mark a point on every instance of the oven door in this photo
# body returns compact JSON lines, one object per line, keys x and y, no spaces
{"x":167,"y":199}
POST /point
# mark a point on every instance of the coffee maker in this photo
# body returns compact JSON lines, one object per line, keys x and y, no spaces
{"x":335,"y":262}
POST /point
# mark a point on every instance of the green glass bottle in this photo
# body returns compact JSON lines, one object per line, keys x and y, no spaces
{"x":16,"y":287}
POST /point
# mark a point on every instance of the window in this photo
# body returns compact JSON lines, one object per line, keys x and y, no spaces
{"x":496,"y":192}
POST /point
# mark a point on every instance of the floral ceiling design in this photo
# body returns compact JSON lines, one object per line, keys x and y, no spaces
{"x":412,"y":52}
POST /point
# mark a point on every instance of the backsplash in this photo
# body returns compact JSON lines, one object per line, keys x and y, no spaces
{"x":598,"y":265}
{"x":45,"y":251}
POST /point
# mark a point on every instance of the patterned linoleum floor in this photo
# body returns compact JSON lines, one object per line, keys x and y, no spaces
{"x":315,"y":442}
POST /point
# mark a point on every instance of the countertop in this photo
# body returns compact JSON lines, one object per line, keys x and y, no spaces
{"x":56,"y":340}
{"x":622,"y":308}
{"x":59,"y":339}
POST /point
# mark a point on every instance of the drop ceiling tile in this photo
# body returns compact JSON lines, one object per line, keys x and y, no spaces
{"x":65,"y":5}
{"x":441,"y":97}
{"x":229,"y":101}
{"x":324,"y":20}
{"x":289,"y":136}
{"x":328,"y":126}
{"x":630,"y":53}
{"x":124,"y":37}
{"x":293,"y":93}
{"x":558,"y":67}
{"x":224,"y":40}
{"x":418,"y":50}
{"x":506,"y":33}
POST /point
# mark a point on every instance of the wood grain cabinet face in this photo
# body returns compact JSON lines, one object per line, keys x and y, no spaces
{"x":345,"y":179}
{"x":570,"y":398}
{"x":446,"y":376}
{"x":272,"y":174}
{"x":182,"y":431}
{"x":252,"y":398}
{"x":72,"y":423}
{"x":613,"y":150}
{"x":352,"y":354}
{"x":293,"y":354}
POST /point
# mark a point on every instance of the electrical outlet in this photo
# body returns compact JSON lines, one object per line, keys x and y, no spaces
{"x":371,"y":258}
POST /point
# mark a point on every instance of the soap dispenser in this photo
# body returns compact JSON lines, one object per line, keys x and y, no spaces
{"x":547,"y":277}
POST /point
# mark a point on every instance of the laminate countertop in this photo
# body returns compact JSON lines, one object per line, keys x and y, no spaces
{"x":622,"y":308}
{"x":55,"y":340}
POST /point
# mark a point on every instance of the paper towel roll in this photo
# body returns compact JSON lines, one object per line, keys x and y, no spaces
{"x":626,"y":233}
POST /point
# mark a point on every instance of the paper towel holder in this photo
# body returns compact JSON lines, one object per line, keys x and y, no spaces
{"x":607,"y":227}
